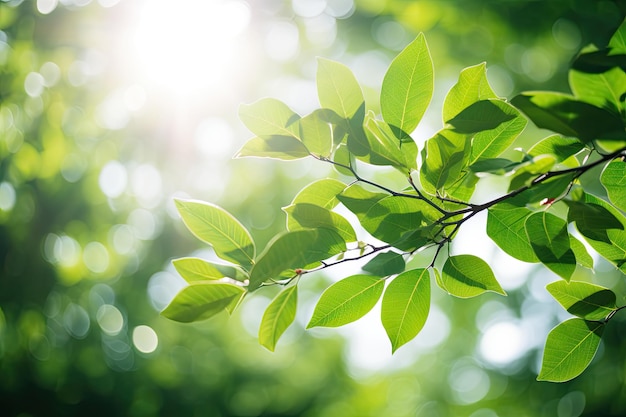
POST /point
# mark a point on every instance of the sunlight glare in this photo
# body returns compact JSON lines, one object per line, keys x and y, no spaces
{"x":190,"y":46}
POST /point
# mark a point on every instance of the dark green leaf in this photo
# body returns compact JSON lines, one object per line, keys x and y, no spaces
{"x":582,"y":299}
{"x":466,"y":276}
{"x":384,"y":264}
{"x":405,"y":306}
{"x":278,"y":317}
{"x":201,"y":300}
{"x":592,"y":220}
{"x":550,"y":240}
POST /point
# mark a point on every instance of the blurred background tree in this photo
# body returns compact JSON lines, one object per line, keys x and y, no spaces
{"x":110,"y":108}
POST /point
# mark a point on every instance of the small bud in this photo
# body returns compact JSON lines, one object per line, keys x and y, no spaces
{"x":546,"y":201}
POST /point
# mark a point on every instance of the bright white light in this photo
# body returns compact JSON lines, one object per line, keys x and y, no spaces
{"x":145,"y":339}
{"x":503,"y":343}
{"x":110,"y":319}
{"x":7,"y":196}
{"x":113,"y":179}
{"x":96,"y":257}
{"x":190,"y":46}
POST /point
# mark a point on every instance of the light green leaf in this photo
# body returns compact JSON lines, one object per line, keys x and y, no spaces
{"x":444,"y":157}
{"x":550,"y":240}
{"x":386,"y":263}
{"x":215,"y":226}
{"x":471,"y":87}
{"x":526,"y":172}
{"x":582,"y":299}
{"x":559,"y":146}
{"x":303,"y":215}
{"x":346,"y":301}
{"x":276,"y":147}
{"x":407,"y":88}
{"x":344,"y":157}
{"x":592,"y":220}
{"x":479,"y":116}
{"x":614,"y":180}
{"x":405,"y":306}
{"x":278,"y":317}
{"x":580,"y":251}
{"x":617,"y":43}
{"x":386,"y":149}
{"x":505,"y":226}
{"x":269,"y":117}
{"x":466,"y":276}
{"x":359,"y":200}
{"x":297,"y":249}
{"x":196,"y":269}
{"x":322,"y":193}
{"x":602,"y":90}
{"x":337,"y":88}
{"x":316,"y":133}
{"x":201,"y":300}
{"x":570,"y":347}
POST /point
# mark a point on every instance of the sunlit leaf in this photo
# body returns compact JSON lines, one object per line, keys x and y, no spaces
{"x":386,"y":148}
{"x":479,"y":116}
{"x":582,"y":299}
{"x":505,"y":226}
{"x":384,"y":264}
{"x":337,"y":88}
{"x":444,"y":156}
{"x":276,"y":147}
{"x":405,"y":306}
{"x":570,"y":347}
{"x":525,"y":173}
{"x":316,"y":133}
{"x":466,"y":276}
{"x":471,"y":87}
{"x":614,"y":180}
{"x":196,"y":269}
{"x":550,"y":240}
{"x":201,"y":300}
{"x":297,"y":249}
{"x":603,"y":90}
{"x":215,"y":226}
{"x":343,"y":157}
{"x":617,"y":43}
{"x":359,"y":200}
{"x":583,"y":258}
{"x":278,"y":317}
{"x":303,"y":215}
{"x":407,"y":87}
{"x":269,"y":117}
{"x":346,"y":301}
{"x":559,"y":146}
{"x":592,"y":220}
{"x":322,"y":193}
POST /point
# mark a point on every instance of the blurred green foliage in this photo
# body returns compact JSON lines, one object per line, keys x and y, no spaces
{"x":82,"y":275}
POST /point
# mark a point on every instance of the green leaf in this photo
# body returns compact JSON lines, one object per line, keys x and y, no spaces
{"x":407,"y":87}
{"x":479,"y":116}
{"x":602,"y":90}
{"x":466,"y":276}
{"x":269,"y":117}
{"x":387,"y":149}
{"x":526,"y":172}
{"x":505,"y":226}
{"x":566,"y":115}
{"x":614,"y":180}
{"x":444,"y":157}
{"x":550,"y":240}
{"x":278,"y":317}
{"x":617,"y":43}
{"x":276,"y":147}
{"x":386,"y":263}
{"x":215,"y":226}
{"x":582,"y":299}
{"x":346,"y":301}
{"x":359,"y":200}
{"x":316,"y":133}
{"x":405,"y":306}
{"x":471,"y":87}
{"x":337,"y":88}
{"x":296,"y":249}
{"x":322,"y":193}
{"x":570,"y":347}
{"x":303,"y":215}
{"x":580,"y":252}
{"x":196,"y":269}
{"x":201,"y":300}
{"x":344,"y":157}
{"x":497,"y":166}
{"x":592,"y":220}
{"x":559,"y":146}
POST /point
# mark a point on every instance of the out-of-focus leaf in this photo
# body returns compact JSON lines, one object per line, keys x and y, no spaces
{"x":582,"y":299}
{"x":405,"y":306}
{"x":407,"y":88}
{"x":303,"y":215}
{"x":278,"y":317}
{"x":215,"y":226}
{"x":297,"y":249}
{"x":386,"y":263}
{"x":276,"y":147}
{"x":471,"y":87}
{"x":614,"y":180}
{"x":337,"y":88}
{"x":269,"y":117}
{"x":201,"y":300}
{"x":466,"y":276}
{"x":505,"y":226}
{"x":346,"y":301}
{"x":196,"y":269}
{"x":322,"y":193}
{"x":550,"y":240}
{"x":570,"y":347}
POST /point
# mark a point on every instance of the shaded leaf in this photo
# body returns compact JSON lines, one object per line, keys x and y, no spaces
{"x":603,"y":90}
{"x":614,"y":180}
{"x":275,"y":147}
{"x":316,"y":133}
{"x":559,"y":146}
{"x":592,"y":220}
{"x":386,"y":263}
{"x":479,"y":116}
{"x":278,"y":317}
{"x":201,"y":300}
{"x":387,"y":149}
{"x":466,"y":276}
{"x":505,"y":226}
{"x":471,"y":87}
{"x":305,"y":215}
{"x":582,"y":299}
{"x":444,"y":157}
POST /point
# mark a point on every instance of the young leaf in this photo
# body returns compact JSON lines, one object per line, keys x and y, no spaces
{"x":215,"y":226}
{"x":550,"y":240}
{"x":196,"y":269}
{"x":471,"y":87}
{"x":405,"y":306}
{"x":466,"y":276}
{"x":316,"y":133}
{"x":337,"y":88}
{"x":407,"y":88}
{"x":582,"y":299}
{"x":305,"y":215}
{"x":570,"y":347}
{"x":386,"y":149}
{"x":505,"y":226}
{"x":201,"y":300}
{"x":346,"y":301}
{"x":444,"y":157}
{"x":322,"y":193}
{"x":566,"y":115}
{"x":614,"y":180}
{"x":276,"y":147}
{"x":297,"y":249}
{"x":269,"y":117}
{"x":277,"y":317}
{"x":386,"y":263}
